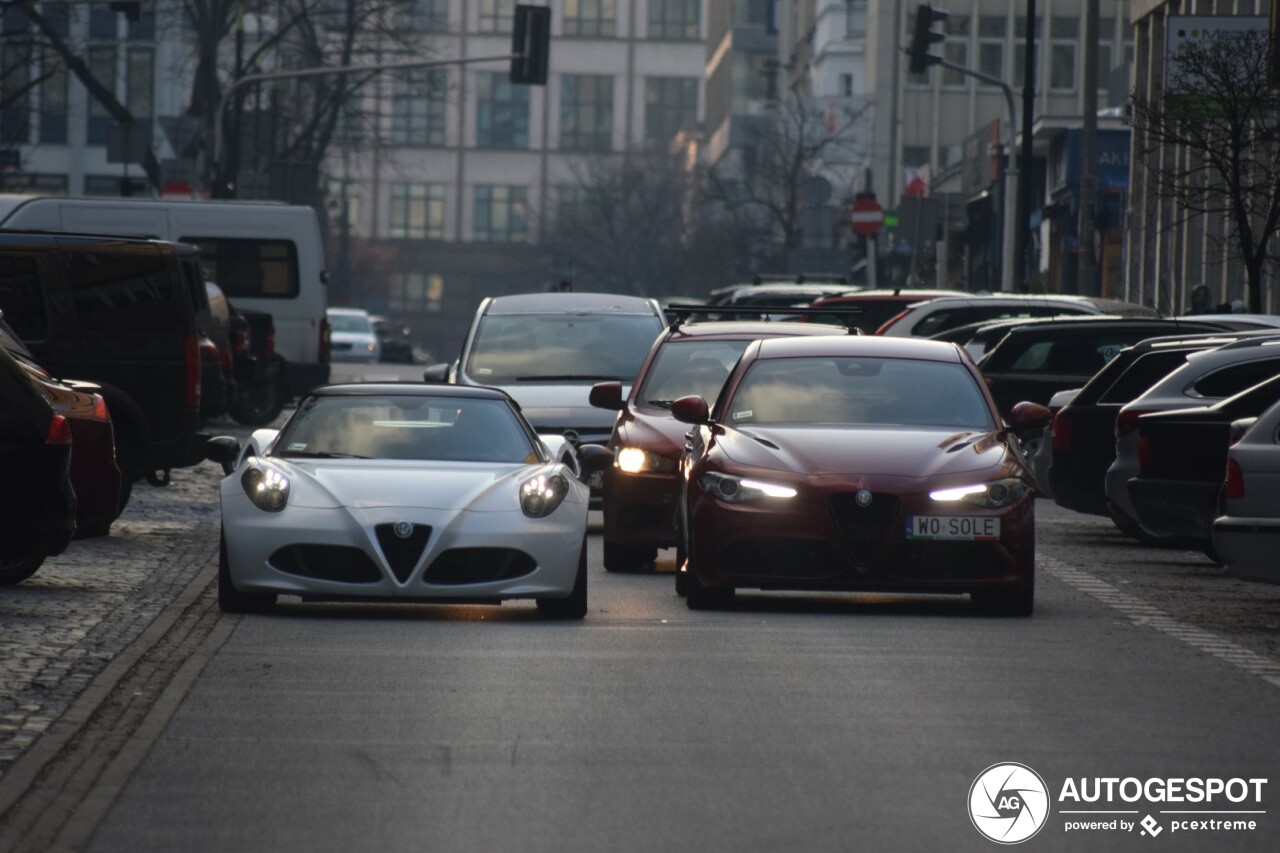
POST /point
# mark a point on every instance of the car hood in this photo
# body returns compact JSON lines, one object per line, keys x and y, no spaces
{"x":898,"y":451}
{"x":561,"y":405}
{"x":477,"y":486}
{"x":661,"y":434}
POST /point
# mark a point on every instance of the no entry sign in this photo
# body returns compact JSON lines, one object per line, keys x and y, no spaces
{"x":867,"y":217}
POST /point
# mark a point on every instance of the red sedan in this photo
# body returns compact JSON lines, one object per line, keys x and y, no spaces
{"x":857,"y":463}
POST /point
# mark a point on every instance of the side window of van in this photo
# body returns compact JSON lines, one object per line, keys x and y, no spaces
{"x":21,"y":297}
{"x":258,"y":269}
{"x":125,"y":291}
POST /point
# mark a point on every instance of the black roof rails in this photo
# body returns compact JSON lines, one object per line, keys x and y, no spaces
{"x":681,"y":313}
{"x":800,"y":278}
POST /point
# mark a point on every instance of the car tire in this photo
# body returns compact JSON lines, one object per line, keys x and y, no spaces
{"x":17,"y":567}
{"x":232,"y":600}
{"x":260,"y":404}
{"x":1019,"y":601}
{"x":682,"y":558}
{"x":574,"y":606}
{"x":628,"y":558}
{"x":699,"y":596}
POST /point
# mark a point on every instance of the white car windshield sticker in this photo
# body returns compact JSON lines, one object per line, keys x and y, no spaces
{"x":484,"y":371}
{"x":745,"y":413}
{"x":298,"y":445}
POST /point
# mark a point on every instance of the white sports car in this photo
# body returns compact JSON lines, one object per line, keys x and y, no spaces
{"x":403,"y":492}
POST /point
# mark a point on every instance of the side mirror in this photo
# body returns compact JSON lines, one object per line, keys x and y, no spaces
{"x":436,"y":373}
{"x":1026,"y":417}
{"x":691,"y":410}
{"x":223,"y":449}
{"x":607,"y":395}
{"x":593,"y":459}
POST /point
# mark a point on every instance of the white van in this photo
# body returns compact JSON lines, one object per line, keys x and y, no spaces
{"x":264,"y":255}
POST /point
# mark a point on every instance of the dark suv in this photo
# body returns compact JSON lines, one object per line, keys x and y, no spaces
{"x":119,"y":312}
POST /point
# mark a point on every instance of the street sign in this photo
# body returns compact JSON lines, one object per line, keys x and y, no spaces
{"x":867,"y":217}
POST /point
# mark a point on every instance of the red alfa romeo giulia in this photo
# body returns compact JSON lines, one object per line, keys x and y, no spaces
{"x":857,"y":463}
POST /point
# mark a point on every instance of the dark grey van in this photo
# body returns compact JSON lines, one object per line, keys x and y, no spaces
{"x":117,"y":311}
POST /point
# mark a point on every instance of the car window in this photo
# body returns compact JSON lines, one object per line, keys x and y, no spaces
{"x":560,"y":347}
{"x":118,"y":291}
{"x":21,"y":297}
{"x":1235,"y":378}
{"x":1072,"y":354}
{"x":343,"y":322}
{"x":406,"y":427}
{"x":689,"y":367}
{"x":858,"y":391}
{"x":260,"y":269}
{"x":1145,"y":371}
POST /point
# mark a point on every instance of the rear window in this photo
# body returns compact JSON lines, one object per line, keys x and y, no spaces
{"x":1073,"y":354}
{"x":250,"y":269}
{"x":1142,"y":374}
{"x":1236,"y":378}
{"x":21,"y":297}
{"x":949,"y":318}
{"x":119,"y":290}
{"x":560,"y":347}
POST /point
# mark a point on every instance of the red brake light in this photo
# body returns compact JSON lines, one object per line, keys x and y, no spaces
{"x":887,"y":323}
{"x":192,"y":353}
{"x":1234,"y":488}
{"x":1127,"y":421}
{"x":100,"y":412}
{"x":59,"y":431}
{"x":1060,"y":432}
{"x":1144,"y":453}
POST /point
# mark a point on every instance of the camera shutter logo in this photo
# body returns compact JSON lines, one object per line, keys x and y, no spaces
{"x":1008,"y":803}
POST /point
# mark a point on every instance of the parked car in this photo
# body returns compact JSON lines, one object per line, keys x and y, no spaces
{"x":1083,"y":434}
{"x":773,"y":292}
{"x":258,"y":401}
{"x":352,"y":336}
{"x":37,"y":519}
{"x":1248,"y":526}
{"x":878,"y":305}
{"x":118,"y":312}
{"x":548,"y":349}
{"x":856,"y":463}
{"x":923,"y":320}
{"x":407,"y":492}
{"x":642,"y":486}
{"x":1035,"y":360}
{"x":1037,"y":447}
{"x":95,"y":476}
{"x":1183,"y":463}
{"x":1206,"y":378}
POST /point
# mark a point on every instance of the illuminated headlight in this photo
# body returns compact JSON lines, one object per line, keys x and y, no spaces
{"x":541,"y":495}
{"x":265,"y":486}
{"x":996,"y":494}
{"x":633,"y":460}
{"x":739,"y":490}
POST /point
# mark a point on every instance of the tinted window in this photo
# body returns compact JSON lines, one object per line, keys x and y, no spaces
{"x":689,"y":367}
{"x":407,"y":427}
{"x":21,"y":297}
{"x":1236,"y":378}
{"x":1073,"y":354}
{"x":1142,"y":374}
{"x":560,"y":347}
{"x":254,"y":269}
{"x":118,"y":290}
{"x":949,"y":318}
{"x":859,"y":391}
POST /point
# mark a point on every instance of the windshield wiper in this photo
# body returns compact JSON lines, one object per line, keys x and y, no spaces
{"x":305,"y":454}
{"x":569,"y":377}
{"x":661,"y":404}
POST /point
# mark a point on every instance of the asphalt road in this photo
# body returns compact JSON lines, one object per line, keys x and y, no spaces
{"x":792,"y":722}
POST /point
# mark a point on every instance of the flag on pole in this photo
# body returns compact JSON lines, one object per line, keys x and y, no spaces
{"x":917,"y":181}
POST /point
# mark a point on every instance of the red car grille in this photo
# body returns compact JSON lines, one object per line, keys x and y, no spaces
{"x":863,"y":529}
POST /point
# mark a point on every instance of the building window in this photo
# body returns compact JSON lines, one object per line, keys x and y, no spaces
{"x":1065,"y":34}
{"x":424,"y":16}
{"x":140,"y":82}
{"x":115,"y":185}
{"x":956,"y":50}
{"x":415,"y":292}
{"x":502,"y":112}
{"x":102,"y":64}
{"x":571,"y":201}
{"x":855,"y":19}
{"x":496,"y":15}
{"x":589,"y":17}
{"x":675,"y":20}
{"x":670,"y":106}
{"x":1020,"y":48}
{"x":586,"y":112}
{"x":501,"y":214}
{"x":417,"y":212}
{"x":102,"y":23}
{"x":53,"y":105}
{"x":418,"y":108}
{"x":845,"y":87}
{"x":992,"y":37}
{"x":15,"y":99}
{"x":1106,"y":50}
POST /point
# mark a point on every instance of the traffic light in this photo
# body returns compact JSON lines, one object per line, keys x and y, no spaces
{"x":530,"y":45}
{"x":923,"y":37}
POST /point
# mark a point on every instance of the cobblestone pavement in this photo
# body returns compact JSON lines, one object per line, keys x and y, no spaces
{"x":60,"y":628}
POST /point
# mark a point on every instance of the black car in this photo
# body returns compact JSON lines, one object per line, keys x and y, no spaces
{"x":1035,"y":361}
{"x":1083,"y":434}
{"x":1183,"y":462}
{"x":38,"y":506}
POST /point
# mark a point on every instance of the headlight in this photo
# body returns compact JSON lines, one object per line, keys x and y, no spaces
{"x":265,"y":486}
{"x":633,"y":460}
{"x":996,"y":494}
{"x":739,"y":490}
{"x":541,"y":495}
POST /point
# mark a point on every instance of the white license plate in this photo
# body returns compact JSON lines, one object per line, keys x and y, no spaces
{"x":963,"y":527}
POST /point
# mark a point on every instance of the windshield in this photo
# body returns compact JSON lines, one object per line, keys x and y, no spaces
{"x":859,"y":391}
{"x":348,"y":323}
{"x":406,"y":427}
{"x":560,"y":348}
{"x":689,"y":367}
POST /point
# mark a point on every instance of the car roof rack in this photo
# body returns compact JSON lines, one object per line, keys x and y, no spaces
{"x":681,"y":313}
{"x":800,"y":278}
